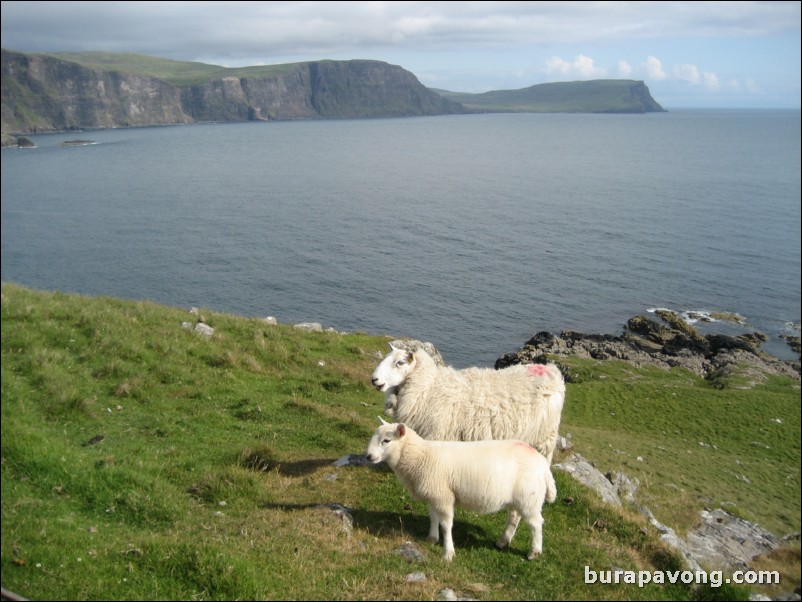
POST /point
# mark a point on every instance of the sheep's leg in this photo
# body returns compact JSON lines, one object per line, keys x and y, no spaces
{"x":434,"y":525}
{"x":536,"y":525}
{"x":513,"y":518}
{"x":447,"y":521}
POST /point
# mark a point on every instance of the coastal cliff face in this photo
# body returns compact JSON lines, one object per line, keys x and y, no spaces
{"x":41,"y":93}
{"x":45,"y":94}
{"x":337,"y":85}
{"x":641,"y":99}
{"x":328,"y":89}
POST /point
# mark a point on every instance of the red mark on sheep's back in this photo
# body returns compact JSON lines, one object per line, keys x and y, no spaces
{"x":525,"y":446}
{"x":538,"y":370}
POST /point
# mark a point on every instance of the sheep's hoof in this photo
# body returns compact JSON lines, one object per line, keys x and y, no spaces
{"x":532,"y":555}
{"x":448,"y":557}
{"x":501,"y":544}
{"x":432,"y":539}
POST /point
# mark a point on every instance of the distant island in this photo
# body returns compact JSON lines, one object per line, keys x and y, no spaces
{"x":93,"y":90}
{"x":594,"y":96}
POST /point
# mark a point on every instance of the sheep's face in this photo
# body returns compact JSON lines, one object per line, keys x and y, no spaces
{"x":383,"y":444}
{"x":393,"y":370}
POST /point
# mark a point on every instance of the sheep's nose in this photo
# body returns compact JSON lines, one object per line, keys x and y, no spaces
{"x":376,"y":383}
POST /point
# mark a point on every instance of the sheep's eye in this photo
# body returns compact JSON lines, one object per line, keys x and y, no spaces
{"x":386,"y":440}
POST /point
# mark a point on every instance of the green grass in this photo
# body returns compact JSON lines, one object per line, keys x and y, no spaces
{"x":699,"y":442}
{"x":216,"y":456}
{"x":177,"y":73}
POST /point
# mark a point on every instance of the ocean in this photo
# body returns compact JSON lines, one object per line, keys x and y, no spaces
{"x":473,"y":232}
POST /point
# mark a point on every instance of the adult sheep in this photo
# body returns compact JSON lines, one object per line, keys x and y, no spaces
{"x":444,"y":404}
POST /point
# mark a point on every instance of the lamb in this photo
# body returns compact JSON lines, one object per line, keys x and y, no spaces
{"x":482,"y":476}
{"x":444,"y":404}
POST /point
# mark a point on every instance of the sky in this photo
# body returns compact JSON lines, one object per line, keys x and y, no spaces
{"x":690,"y":54}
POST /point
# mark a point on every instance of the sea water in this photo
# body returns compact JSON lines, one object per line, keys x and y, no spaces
{"x":473,"y":232}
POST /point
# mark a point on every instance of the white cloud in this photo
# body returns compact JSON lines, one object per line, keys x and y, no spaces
{"x":711,"y":81}
{"x":624,"y":69}
{"x":582,"y":66}
{"x":556,"y":65}
{"x":692,"y":75}
{"x":654,"y":69}
{"x":688,"y":73}
{"x":585,"y":67}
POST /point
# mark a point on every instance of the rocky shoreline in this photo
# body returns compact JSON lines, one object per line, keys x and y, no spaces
{"x":667,"y":343}
{"x":670,"y":342}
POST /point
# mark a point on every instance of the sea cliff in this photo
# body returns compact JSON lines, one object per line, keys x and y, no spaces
{"x":44,"y":94}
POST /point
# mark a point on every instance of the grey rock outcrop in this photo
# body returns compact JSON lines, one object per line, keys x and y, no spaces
{"x":670,"y":343}
{"x":721,"y":541}
{"x":586,"y":473}
{"x":728,"y":542}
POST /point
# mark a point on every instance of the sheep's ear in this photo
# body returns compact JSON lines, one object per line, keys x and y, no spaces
{"x":383,"y":421}
{"x":410,"y":357}
{"x":392,"y":348}
{"x":401,"y":430}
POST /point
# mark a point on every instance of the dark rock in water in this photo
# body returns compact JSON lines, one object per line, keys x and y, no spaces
{"x":744,"y":342}
{"x":647,"y":342}
{"x":647,"y":327}
{"x":793,"y":342}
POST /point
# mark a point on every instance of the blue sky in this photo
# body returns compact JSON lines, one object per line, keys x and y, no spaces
{"x":690,"y":54}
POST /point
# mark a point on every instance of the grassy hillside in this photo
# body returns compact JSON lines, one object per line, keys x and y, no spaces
{"x":594,"y":96}
{"x":141,"y":460}
{"x":177,"y":73}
